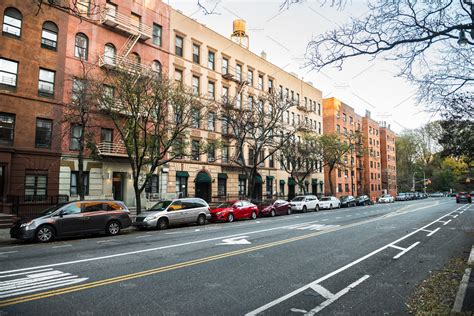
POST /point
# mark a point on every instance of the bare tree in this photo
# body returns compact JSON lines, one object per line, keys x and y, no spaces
{"x":257,"y":131}
{"x":301,"y":158}
{"x":427,"y":38}
{"x":152,"y":116}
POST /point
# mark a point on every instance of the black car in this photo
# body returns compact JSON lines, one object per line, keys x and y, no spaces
{"x":463,"y":197}
{"x":348,"y":201}
{"x":363,"y":200}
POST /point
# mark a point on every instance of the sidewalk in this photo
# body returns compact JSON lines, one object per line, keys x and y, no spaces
{"x":465,"y":297}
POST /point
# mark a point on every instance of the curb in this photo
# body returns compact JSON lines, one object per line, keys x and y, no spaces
{"x":459,"y":301}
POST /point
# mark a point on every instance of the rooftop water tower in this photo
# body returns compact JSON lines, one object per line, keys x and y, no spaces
{"x":238,"y":35}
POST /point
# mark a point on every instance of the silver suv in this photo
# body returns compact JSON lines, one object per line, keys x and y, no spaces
{"x":303,"y":203}
{"x":174,"y":212}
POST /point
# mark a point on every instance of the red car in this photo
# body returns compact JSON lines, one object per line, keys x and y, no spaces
{"x":276,"y":207}
{"x":229,"y":211}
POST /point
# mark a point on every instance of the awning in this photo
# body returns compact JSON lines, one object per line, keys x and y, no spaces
{"x":270,"y":178}
{"x":222,"y":176}
{"x":314,"y":181}
{"x":203,"y":177}
{"x":242,"y":177}
{"x":282,"y":181}
{"x":291,"y":181}
{"x":306,"y":182}
{"x":182,"y":174}
{"x":258,"y":179}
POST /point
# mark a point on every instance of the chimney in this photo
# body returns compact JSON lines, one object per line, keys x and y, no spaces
{"x":367,"y":113}
{"x":263,"y":54}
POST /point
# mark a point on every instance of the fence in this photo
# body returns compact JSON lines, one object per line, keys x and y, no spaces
{"x":28,"y":206}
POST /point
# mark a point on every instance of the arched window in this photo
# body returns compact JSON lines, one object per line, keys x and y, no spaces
{"x":81,"y":49}
{"x":49,"y":36}
{"x":156,"y":67}
{"x":12,"y":19}
{"x":134,"y":57}
{"x":109,"y":54}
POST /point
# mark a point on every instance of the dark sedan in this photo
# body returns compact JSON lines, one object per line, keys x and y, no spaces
{"x":348,"y":201}
{"x":275,"y":207}
{"x":463,"y":197}
{"x":363,"y":200}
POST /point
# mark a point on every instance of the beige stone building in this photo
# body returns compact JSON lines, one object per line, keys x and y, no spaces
{"x":215,"y":66}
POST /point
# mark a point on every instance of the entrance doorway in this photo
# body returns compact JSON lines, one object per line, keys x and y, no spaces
{"x":118,"y":185}
{"x":2,"y":181}
{"x":257,"y":188}
{"x":203,"y":186}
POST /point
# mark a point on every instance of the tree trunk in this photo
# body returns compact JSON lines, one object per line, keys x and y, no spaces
{"x":330,"y":180}
{"x":80,"y":162}
{"x":138,"y":200}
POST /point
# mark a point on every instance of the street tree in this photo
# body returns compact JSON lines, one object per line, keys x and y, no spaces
{"x":257,"y":131}
{"x":152,"y":116}
{"x":301,"y":158}
{"x":457,"y":139}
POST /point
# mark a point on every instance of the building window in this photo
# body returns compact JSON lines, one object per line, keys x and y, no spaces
{"x":225,"y":94}
{"x":76,"y":131}
{"x":85,"y":183}
{"x":182,"y":186}
{"x":178,"y":46}
{"x":225,"y":154}
{"x":195,"y":84}
{"x":239,"y":100}
{"x":157,"y":34}
{"x":81,"y":46}
{"x":156,"y":67}
{"x":250,"y":77}
{"x":49,"y":36}
{"x":8,"y":72}
{"x":195,"y":118}
{"x":78,"y":90}
{"x":211,"y":121}
{"x":44,"y":131}
{"x":242,"y":187}
{"x":178,"y":76}
{"x":152,"y":185}
{"x":83,"y":6}
{"x":346,"y":187}
{"x":211,"y":152}
{"x":222,"y":187}
{"x":270,"y":86}
{"x":225,"y":66}
{"x":339,"y":187}
{"x":211,"y":90}
{"x":195,"y":150}
{"x":12,"y":20}
{"x":238,"y":72}
{"x":250,"y":102}
{"x":211,"y":57}
{"x":46,"y":83}
{"x":282,"y":188}
{"x":7,"y":128}
{"x":269,"y":187}
{"x":109,"y":54}
{"x":196,"y":53}
{"x":35,"y":186}
{"x":111,"y":10}
{"x":271,"y":162}
{"x":260,"y":82}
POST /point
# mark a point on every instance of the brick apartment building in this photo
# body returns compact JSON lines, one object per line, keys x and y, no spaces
{"x":371,"y":167}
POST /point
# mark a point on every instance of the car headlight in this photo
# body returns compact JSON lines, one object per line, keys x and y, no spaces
{"x":150,"y":218}
{"x":220,"y":213}
{"x":26,"y":224}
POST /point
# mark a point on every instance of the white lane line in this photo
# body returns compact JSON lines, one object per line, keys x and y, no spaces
{"x":397,"y":247}
{"x":338,"y":217}
{"x":104,"y":241}
{"x":341,"y":269}
{"x":433,"y":232}
{"x":324,"y":220}
{"x":455,"y":216}
{"x":7,"y":252}
{"x":62,"y":246}
{"x":143,"y":236}
{"x":446,"y":223}
{"x":322,"y":291}
{"x":22,"y":273}
{"x":44,"y":287}
{"x":406,"y":250}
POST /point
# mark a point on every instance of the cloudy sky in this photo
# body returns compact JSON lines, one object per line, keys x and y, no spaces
{"x":283,"y":34}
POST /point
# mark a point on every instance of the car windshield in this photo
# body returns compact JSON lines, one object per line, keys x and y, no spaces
{"x":325,"y":199}
{"x":52,"y":209}
{"x":160,"y":206}
{"x":225,"y":205}
{"x":344,"y":197}
{"x":298,"y":199}
{"x":386,"y":196}
{"x":361,"y":197}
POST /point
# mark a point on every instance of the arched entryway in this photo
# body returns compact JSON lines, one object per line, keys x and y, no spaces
{"x":257,"y":189}
{"x":203,"y":186}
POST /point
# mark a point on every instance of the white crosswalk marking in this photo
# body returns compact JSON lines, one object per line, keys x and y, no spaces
{"x":306,"y":226}
{"x":34,"y":281}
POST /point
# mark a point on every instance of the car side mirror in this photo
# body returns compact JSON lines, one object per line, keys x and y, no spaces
{"x":61,"y":213}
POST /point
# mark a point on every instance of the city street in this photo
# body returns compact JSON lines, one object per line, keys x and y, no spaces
{"x":357,"y":260}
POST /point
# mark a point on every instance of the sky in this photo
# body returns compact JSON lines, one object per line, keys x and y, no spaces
{"x":362,"y":83}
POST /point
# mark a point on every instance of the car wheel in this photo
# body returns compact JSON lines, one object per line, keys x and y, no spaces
{"x":162,"y":224}
{"x":316,"y":209}
{"x":339,"y":205}
{"x":330,"y":206}
{"x":112,"y":228}
{"x":201,"y":220}
{"x":45,"y":233}
{"x":288,"y":211}
{"x":305,"y":209}
{"x":272,"y":213}
{"x":254,"y":215}
{"x":230,"y":218}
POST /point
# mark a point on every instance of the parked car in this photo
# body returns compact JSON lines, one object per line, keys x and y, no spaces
{"x":274,"y":207}
{"x":348,"y":201}
{"x":304,"y":203}
{"x":437,"y":194}
{"x":386,"y":198}
{"x":174,"y":212}
{"x":363,"y":200}
{"x":463,"y":197}
{"x":74,"y":218}
{"x":329,"y":202}
{"x":401,"y":197}
{"x":232,"y":210}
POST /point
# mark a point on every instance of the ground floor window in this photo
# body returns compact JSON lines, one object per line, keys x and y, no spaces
{"x":182,"y":186}
{"x":35,"y":186}
{"x":242,"y":186}
{"x":74,"y":183}
{"x":222,"y":187}
{"x":269,"y":187}
{"x":152,"y":185}
{"x":282,"y":188}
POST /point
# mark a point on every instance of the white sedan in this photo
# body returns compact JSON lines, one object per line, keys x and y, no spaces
{"x":386,"y":198}
{"x":329,"y":202}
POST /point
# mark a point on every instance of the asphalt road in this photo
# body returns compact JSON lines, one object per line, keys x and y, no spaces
{"x":363,"y":260}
